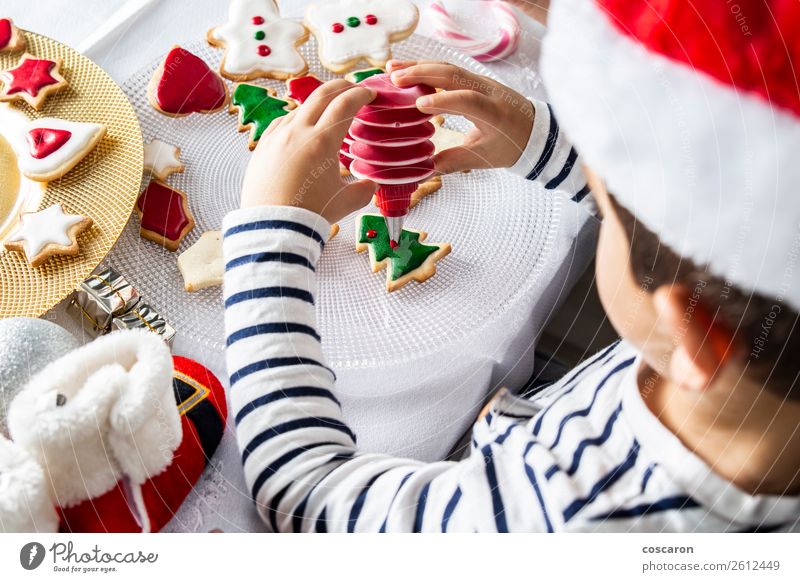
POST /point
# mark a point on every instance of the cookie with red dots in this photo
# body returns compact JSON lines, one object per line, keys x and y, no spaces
{"x":348,"y":31}
{"x":31,"y":80}
{"x":11,"y":37}
{"x":259,"y":43}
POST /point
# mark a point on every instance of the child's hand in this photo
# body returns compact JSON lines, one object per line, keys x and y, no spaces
{"x":296,"y":162}
{"x":503,"y":118}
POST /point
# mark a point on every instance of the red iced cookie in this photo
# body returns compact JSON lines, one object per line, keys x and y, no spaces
{"x":164,"y":215}
{"x":301,"y":88}
{"x":185,"y":84}
{"x":32,"y":80}
{"x":11,"y":38}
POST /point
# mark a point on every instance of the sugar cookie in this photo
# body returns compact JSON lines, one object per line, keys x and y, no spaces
{"x":300,"y":89}
{"x":32,"y":80}
{"x":405,"y":261}
{"x":46,"y":233}
{"x":258,"y":42}
{"x":54,"y":146}
{"x":11,"y":37}
{"x":257,"y":107}
{"x":349,"y":30}
{"x":183,"y":83}
{"x":201,"y":264}
{"x":164,"y":215}
{"x":444,"y":138}
{"x":162,"y":159}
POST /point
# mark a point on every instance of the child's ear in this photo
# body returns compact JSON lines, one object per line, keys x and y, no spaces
{"x":700,"y":343}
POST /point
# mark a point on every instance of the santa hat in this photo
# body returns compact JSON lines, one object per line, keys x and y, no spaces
{"x":691,"y":113}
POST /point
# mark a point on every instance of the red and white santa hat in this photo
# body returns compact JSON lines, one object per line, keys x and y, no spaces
{"x":691,"y":113}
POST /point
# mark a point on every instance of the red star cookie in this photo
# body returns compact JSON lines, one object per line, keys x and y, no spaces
{"x":11,"y":38}
{"x":164,"y":215}
{"x":32,"y":80}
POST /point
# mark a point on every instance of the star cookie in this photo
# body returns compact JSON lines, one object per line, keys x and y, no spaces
{"x":46,"y":233}
{"x":162,"y":159}
{"x":164,"y":215}
{"x":32,"y":80}
{"x":257,"y":107}
{"x":201,"y":265}
{"x":258,"y":42}
{"x":11,"y":37}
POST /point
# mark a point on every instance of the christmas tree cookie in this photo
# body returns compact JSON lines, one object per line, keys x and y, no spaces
{"x":407,"y":260}
{"x":32,"y":80}
{"x":360,"y":75}
{"x":257,"y":107}
{"x":258,"y":42}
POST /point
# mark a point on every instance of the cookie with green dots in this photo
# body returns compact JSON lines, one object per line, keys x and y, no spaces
{"x":410,"y":259}
{"x":257,"y":107}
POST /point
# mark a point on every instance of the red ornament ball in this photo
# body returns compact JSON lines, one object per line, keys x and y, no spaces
{"x":257,"y":20}
{"x":264,"y":50}
{"x":372,"y":234}
{"x":371,"y":19}
{"x":337,"y":27}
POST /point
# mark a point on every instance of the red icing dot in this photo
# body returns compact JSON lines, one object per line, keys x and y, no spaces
{"x":258,"y":20}
{"x":43,"y":141}
{"x":264,"y":50}
{"x":371,"y":19}
{"x":337,"y":27}
{"x":372,"y":233}
{"x":393,"y":244}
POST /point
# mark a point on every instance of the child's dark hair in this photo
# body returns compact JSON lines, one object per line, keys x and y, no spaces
{"x":766,"y":330}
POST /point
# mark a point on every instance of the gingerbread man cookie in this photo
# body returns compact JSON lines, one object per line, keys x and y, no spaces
{"x":407,"y":260}
{"x":54,"y":146}
{"x":32,"y":80}
{"x":162,"y":159}
{"x":183,"y":84}
{"x":349,"y":30}
{"x":46,"y":233}
{"x":11,"y":37}
{"x":258,"y":42}
{"x":257,"y":107}
{"x":164,"y":215}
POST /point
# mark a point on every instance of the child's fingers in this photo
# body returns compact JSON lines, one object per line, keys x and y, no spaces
{"x":335,"y":120}
{"x":277,"y":122}
{"x":355,"y":196}
{"x":442,"y":76}
{"x":320,"y":99}
{"x":475,"y":106}
{"x":396,"y":65}
{"x":458,"y":159}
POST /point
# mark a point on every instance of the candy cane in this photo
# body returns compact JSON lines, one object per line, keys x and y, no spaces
{"x":484,"y":50}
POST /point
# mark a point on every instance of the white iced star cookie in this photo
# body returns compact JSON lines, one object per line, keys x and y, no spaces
{"x":349,"y":30}
{"x":201,"y":265}
{"x":258,"y":42}
{"x":50,"y":147}
{"x":46,"y":233}
{"x":162,"y":159}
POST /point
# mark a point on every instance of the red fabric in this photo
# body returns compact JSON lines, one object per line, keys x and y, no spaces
{"x":164,"y":493}
{"x":752,"y":45}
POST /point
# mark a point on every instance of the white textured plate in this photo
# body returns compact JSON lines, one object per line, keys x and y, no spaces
{"x":499,"y":227}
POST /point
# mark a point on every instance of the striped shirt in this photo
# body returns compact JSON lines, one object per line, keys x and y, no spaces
{"x":585,"y":455}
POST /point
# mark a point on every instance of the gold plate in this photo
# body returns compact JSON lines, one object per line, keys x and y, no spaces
{"x":104,"y":186}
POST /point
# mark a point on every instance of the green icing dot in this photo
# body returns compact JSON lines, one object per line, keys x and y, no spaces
{"x":359,"y":76}
{"x":353,"y":21}
{"x":409,"y":254}
{"x":260,"y":35}
{"x":257,"y":107}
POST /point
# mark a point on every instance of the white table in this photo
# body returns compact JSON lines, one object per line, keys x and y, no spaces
{"x":438,"y":407}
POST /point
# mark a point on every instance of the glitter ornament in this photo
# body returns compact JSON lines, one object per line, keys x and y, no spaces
{"x":26,"y":346}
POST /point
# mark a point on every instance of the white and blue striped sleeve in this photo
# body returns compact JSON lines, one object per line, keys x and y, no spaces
{"x":550,"y":158}
{"x":300,"y":458}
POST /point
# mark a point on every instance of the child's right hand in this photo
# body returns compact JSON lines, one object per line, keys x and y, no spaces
{"x":503,"y":118}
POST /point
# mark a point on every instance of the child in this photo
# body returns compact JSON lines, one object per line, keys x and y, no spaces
{"x":690,"y":422}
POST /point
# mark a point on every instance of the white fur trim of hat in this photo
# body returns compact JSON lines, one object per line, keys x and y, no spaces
{"x":25,"y":504}
{"x":101,"y":412}
{"x":711,"y":168}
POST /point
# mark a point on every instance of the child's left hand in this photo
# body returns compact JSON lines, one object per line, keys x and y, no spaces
{"x":296,"y":162}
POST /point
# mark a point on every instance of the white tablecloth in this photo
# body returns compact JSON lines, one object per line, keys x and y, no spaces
{"x":431,"y":405}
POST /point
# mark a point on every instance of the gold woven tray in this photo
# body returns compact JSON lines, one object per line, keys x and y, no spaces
{"x":103,"y":186}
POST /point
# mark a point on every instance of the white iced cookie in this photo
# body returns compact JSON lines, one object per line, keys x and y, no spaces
{"x":258,"y":42}
{"x":51,"y":147}
{"x":201,"y":264}
{"x":349,"y":30}
{"x":162,"y":159}
{"x":444,"y":138}
{"x":46,"y":233}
